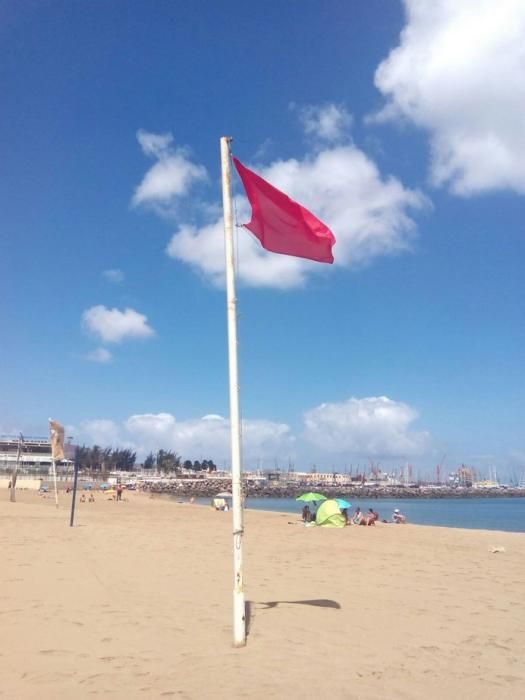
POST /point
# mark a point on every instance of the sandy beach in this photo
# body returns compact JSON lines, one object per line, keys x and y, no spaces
{"x":135,"y":602}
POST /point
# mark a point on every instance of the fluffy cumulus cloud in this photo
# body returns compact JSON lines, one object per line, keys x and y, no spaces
{"x":100,"y":355}
{"x":327,"y":122}
{"x":207,"y":437}
{"x":170,"y":177}
{"x":458,"y":73}
{"x":203,"y":249}
{"x":113,"y":275}
{"x":374,"y":427}
{"x":102,"y":432}
{"x":369,"y":427}
{"x":114,"y":325}
{"x":370,"y":215}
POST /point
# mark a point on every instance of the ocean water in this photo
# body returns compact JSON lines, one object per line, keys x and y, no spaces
{"x":506,"y":514}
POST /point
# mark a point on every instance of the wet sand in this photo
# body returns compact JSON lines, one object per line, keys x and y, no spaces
{"x":135,"y":602}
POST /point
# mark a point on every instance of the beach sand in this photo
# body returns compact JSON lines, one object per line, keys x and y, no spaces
{"x":135,"y":601}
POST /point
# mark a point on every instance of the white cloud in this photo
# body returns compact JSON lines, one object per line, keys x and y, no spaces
{"x":207,"y":437}
{"x":369,"y":215}
{"x":369,"y":427}
{"x":375,"y":427}
{"x":114,"y":275}
{"x":154,"y":145}
{"x":203,"y":248}
{"x":113,"y":325}
{"x":102,"y":432}
{"x":327,"y":122}
{"x":171,"y":177}
{"x":100,"y":355}
{"x":458,"y":73}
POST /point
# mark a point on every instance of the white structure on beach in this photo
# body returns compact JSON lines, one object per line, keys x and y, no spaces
{"x":35,"y":456}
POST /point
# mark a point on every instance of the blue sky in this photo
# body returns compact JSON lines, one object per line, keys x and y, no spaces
{"x":400,"y":125}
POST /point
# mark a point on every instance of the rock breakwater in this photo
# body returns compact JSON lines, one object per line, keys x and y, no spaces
{"x":210,"y":487}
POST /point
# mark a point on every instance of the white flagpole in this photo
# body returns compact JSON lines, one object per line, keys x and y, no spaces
{"x":55,"y":480}
{"x":239,"y":612}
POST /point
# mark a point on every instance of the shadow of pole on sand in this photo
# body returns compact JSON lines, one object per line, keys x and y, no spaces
{"x":316,"y":602}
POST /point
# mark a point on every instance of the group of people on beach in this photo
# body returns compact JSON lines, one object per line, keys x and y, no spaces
{"x":359,"y":517}
{"x":370,"y":518}
{"x":91,"y":498}
{"x":113,"y":495}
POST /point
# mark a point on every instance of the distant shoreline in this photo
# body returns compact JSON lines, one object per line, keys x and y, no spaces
{"x":210,"y":487}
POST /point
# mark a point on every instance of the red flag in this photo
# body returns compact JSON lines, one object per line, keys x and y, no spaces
{"x":282,"y":225}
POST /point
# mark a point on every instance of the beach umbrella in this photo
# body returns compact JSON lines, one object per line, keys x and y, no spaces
{"x":342,"y":503}
{"x":224,"y":494}
{"x":311,"y":497}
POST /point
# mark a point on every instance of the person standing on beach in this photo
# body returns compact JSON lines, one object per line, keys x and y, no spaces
{"x":119,"y":492}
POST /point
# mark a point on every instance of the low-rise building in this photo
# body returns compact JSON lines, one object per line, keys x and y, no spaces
{"x":35,"y":455}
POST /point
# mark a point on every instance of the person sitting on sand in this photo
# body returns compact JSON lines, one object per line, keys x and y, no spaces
{"x":307,"y":516}
{"x":83,"y":498}
{"x":357,"y":517}
{"x":91,"y":498}
{"x":371,"y":517}
{"x":398,"y":517}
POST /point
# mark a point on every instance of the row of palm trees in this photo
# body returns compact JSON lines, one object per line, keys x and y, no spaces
{"x":106,"y":459}
{"x":167,"y":461}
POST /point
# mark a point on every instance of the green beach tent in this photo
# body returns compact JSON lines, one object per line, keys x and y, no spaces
{"x":329,"y":514}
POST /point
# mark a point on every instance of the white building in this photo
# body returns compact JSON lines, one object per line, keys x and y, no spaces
{"x":35,"y":455}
